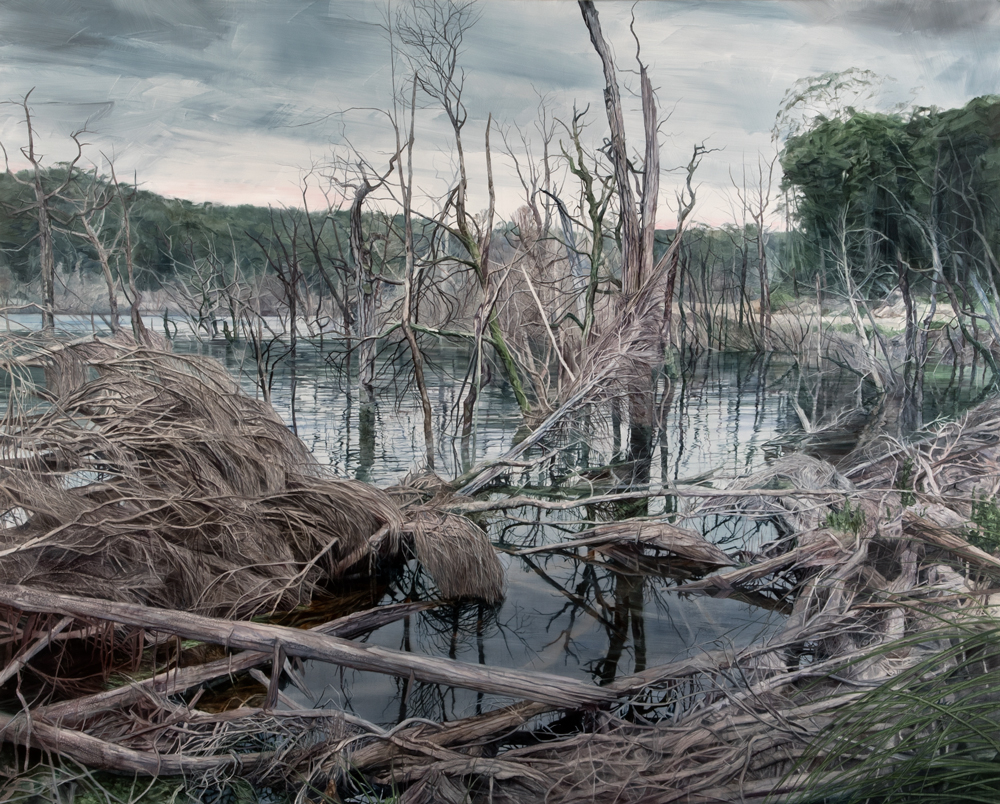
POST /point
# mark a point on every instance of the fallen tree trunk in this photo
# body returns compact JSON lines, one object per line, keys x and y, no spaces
{"x":94,"y":752}
{"x":178,"y":680}
{"x":519,"y":684}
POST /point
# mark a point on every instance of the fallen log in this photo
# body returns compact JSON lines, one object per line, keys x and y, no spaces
{"x":660,"y":537}
{"x":97,"y":753}
{"x":519,"y":684}
{"x":178,"y":680}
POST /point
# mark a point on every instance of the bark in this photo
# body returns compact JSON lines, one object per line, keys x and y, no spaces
{"x":97,"y":753}
{"x":177,"y":680}
{"x":410,"y":277}
{"x":365,"y":318}
{"x":632,"y":234}
{"x":46,"y":253}
{"x":519,"y":684}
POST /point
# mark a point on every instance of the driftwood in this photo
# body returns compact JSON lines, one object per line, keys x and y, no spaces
{"x":870,"y":602}
{"x":627,"y":539}
{"x":176,"y":680}
{"x":262,"y":637}
{"x":878,"y":585}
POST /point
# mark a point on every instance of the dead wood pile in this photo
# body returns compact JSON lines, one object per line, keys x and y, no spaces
{"x":150,"y":477}
{"x":886,"y":594}
{"x":888,"y":597}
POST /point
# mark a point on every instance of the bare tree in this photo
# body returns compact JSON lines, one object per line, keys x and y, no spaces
{"x":92,"y":206}
{"x":410,"y":277}
{"x":638,"y":224}
{"x":433,"y":32}
{"x":42,"y":207}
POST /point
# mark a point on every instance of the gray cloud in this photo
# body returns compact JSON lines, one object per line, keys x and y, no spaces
{"x":228,"y":99}
{"x":933,"y":17}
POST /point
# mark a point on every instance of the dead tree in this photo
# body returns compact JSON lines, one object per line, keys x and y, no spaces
{"x":42,"y":207}
{"x":432,"y":31}
{"x":411,"y":276}
{"x":638,"y":224}
{"x":92,"y":208}
{"x":755,"y":199}
{"x":596,"y":194}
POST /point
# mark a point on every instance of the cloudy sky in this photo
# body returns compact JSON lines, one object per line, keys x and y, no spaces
{"x":230,"y":100}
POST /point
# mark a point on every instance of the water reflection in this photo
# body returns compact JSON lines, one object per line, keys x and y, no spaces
{"x":584,"y":614}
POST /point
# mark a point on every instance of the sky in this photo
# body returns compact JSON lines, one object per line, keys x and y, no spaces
{"x":233,"y":101}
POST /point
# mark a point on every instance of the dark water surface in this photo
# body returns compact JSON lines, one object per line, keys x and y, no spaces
{"x":562,"y":614}
{"x":565,"y":614}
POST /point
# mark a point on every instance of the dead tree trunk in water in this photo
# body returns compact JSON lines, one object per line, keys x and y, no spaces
{"x":411,"y":277}
{"x":638,"y":228}
{"x":135,"y":313}
{"x":42,"y":209}
{"x":365,"y":318}
{"x":633,"y":235}
{"x":910,"y":415}
{"x":433,"y":32}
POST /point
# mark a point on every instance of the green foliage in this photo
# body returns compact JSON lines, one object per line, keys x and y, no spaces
{"x":868,"y":187}
{"x":929,"y":734}
{"x":904,"y":482}
{"x":986,"y":515}
{"x":171,"y":237}
{"x":781,"y":298}
{"x":846,"y":520}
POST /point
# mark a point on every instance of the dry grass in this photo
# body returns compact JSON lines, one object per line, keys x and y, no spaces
{"x":149,"y":477}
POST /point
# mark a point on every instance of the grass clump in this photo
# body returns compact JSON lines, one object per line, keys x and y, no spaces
{"x":847,"y":520}
{"x":927,"y":735}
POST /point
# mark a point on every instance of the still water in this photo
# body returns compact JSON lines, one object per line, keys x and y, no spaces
{"x":564,"y":614}
{"x":575,"y":615}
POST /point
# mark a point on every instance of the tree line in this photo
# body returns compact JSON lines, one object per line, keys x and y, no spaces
{"x":874,"y":203}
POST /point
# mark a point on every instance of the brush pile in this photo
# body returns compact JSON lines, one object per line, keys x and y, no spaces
{"x":147,"y":499}
{"x":881,"y":683}
{"x":148,"y":477}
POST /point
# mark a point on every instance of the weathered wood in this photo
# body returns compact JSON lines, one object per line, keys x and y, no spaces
{"x":805,"y":554}
{"x":519,"y":684}
{"x":177,"y":680}
{"x":40,"y":644}
{"x":926,"y":531}
{"x":467,"y":730}
{"x":97,"y":753}
{"x":659,"y":536}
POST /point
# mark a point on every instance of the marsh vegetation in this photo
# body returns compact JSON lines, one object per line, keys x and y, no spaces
{"x":400,"y":500}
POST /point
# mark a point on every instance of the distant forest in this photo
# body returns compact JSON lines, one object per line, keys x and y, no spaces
{"x":862,"y":191}
{"x":900,"y":206}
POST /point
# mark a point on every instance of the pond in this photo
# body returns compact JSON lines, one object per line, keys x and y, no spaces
{"x":569,"y":613}
{"x":564,"y":614}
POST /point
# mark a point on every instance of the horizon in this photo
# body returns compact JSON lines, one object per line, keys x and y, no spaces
{"x":232,"y":102}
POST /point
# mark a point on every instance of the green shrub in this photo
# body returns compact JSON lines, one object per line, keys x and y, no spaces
{"x":847,"y":520}
{"x":986,"y":515}
{"x":781,"y":298}
{"x":904,"y":482}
